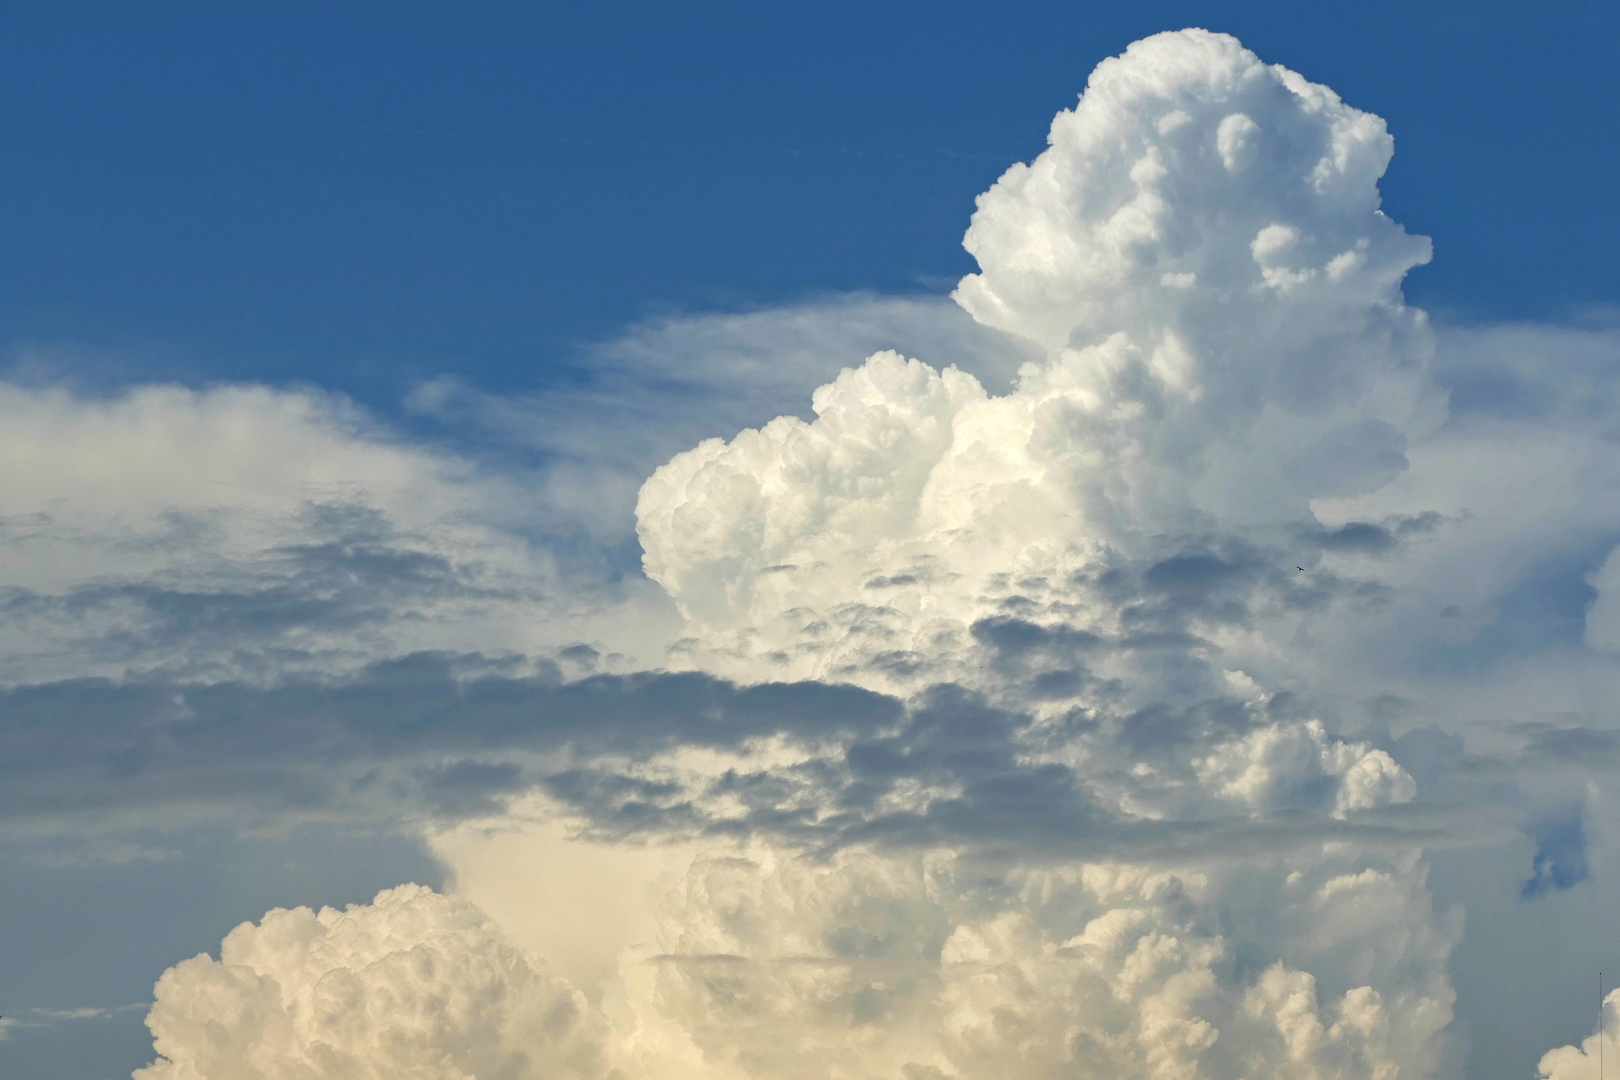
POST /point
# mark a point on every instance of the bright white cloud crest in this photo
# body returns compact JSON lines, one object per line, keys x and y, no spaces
{"x":414,"y":985}
{"x":1580,"y":1062}
{"x":1223,"y":345}
{"x":1201,"y":254}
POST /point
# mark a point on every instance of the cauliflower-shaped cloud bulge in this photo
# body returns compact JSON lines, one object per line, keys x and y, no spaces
{"x":1107,"y":553}
{"x":926,"y":967}
{"x":769,"y":965}
{"x":1192,"y":193}
{"x":1201,"y":254}
{"x":1278,"y":765}
{"x":1580,"y":1062}
{"x":413,"y":985}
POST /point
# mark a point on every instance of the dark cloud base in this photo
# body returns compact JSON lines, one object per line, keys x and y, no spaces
{"x":441,"y":737}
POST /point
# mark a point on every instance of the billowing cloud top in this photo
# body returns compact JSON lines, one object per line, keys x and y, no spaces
{"x":1201,"y":255}
{"x":410,"y":982}
{"x":1194,"y":196}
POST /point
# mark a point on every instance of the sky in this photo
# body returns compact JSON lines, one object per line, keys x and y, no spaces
{"x":368,"y":195}
{"x":860,"y":541}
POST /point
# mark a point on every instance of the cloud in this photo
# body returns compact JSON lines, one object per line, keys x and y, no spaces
{"x":373,"y":743}
{"x":771,"y":965}
{"x":671,"y":381}
{"x":1231,"y":385}
{"x":1190,"y":172}
{"x":1222,"y":345}
{"x":413,"y":984}
{"x":662,"y":756}
{"x":243,"y":531}
{"x":44,"y":1018}
{"x":974,"y":773}
{"x":1570,"y":1062}
{"x":923,"y":967}
{"x":1114,"y":689}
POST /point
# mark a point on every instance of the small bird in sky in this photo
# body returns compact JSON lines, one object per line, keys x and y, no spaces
{"x":1301,"y":569}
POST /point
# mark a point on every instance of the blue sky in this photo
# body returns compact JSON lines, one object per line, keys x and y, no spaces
{"x":390,"y":493}
{"x":365,"y":195}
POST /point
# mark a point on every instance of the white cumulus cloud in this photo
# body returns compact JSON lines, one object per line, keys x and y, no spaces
{"x":412,"y":985}
{"x":1222,"y":346}
{"x":768,"y":964}
{"x":1580,"y":1062}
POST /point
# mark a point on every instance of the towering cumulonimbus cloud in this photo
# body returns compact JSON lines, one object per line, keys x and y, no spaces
{"x":1107,"y":551}
{"x":1101,"y":828}
{"x":1200,"y":252}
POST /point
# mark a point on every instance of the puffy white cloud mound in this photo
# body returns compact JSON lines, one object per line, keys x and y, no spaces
{"x":1193,"y":191}
{"x":1203,"y":240}
{"x":1201,"y":254}
{"x":730,"y":529}
{"x":767,"y":964}
{"x":1581,"y":1062}
{"x":414,"y":985}
{"x":1274,"y":766}
{"x":929,"y":966}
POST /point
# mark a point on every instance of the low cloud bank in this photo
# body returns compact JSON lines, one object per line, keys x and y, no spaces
{"x":768,"y":964}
